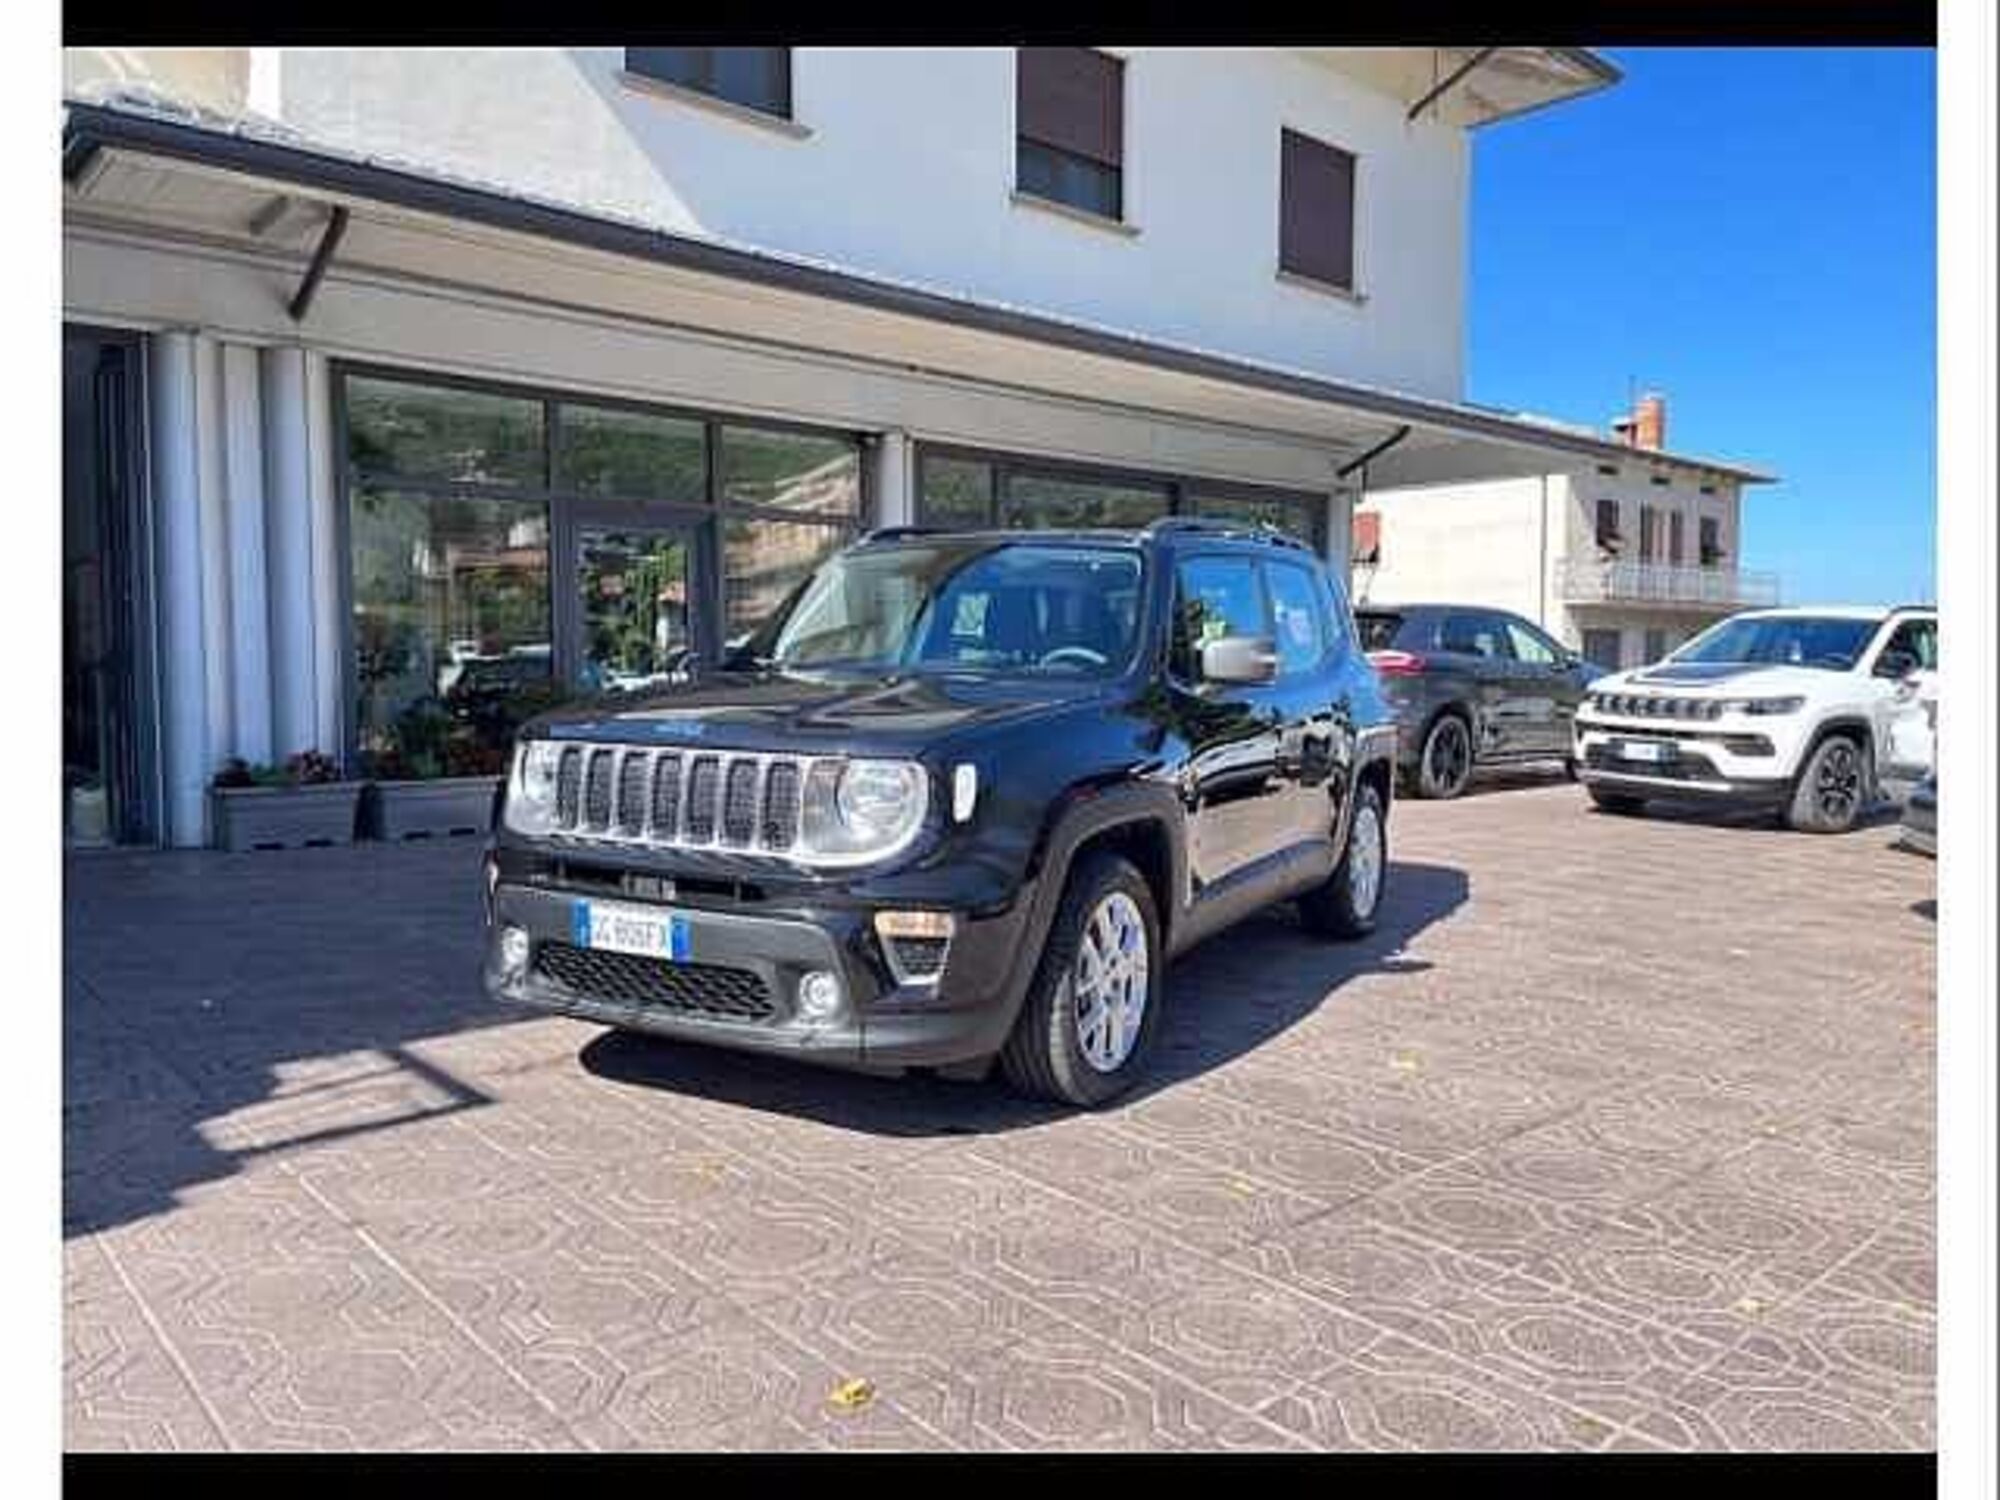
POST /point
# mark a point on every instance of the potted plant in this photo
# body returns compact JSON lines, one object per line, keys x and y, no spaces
{"x":440,"y":773}
{"x":304,"y":801}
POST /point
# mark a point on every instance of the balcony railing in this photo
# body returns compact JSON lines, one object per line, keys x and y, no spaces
{"x":1590,"y":580}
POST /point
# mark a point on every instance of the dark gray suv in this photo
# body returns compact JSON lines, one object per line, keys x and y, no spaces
{"x":1472,"y":686}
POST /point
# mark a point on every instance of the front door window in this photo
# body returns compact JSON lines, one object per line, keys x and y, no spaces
{"x":634,"y":606}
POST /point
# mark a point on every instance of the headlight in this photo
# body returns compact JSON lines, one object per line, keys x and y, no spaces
{"x":1761,"y":707}
{"x":861,"y":810}
{"x":531,"y":789}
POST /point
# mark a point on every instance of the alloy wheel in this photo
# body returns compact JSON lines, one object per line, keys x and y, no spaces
{"x":1108,"y":982}
{"x":1837,"y":787}
{"x":1364,"y":860}
{"x":1447,"y":757}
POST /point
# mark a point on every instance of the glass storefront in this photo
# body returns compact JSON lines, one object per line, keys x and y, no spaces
{"x":508,"y":548}
{"x":970,"y":489}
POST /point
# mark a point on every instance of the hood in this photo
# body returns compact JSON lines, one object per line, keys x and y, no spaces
{"x":826,"y":713}
{"x":1746,"y":678}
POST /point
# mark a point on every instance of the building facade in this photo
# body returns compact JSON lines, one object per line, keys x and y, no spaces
{"x":407,"y":391}
{"x":1621,"y":560}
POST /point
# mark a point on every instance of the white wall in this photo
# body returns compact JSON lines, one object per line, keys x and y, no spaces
{"x":1480,"y":543}
{"x":908,"y":168}
{"x":1632,"y":488}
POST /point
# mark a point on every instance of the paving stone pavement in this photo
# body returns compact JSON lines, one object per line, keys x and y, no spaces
{"x":1618,"y":1134}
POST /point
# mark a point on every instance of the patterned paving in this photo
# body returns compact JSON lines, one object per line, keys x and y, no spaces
{"x":1619,"y":1134}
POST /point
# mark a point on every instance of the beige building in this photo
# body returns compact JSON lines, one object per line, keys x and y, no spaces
{"x":1621,"y":559}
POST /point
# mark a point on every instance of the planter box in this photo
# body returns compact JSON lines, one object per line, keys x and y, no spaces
{"x":283,"y":817}
{"x":461,"y":805}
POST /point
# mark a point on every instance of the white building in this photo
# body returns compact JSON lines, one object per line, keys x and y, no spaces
{"x":1621,"y":559}
{"x":395,"y":377}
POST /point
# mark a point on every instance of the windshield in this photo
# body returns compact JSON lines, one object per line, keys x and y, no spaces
{"x":1006,"y":608}
{"x":1782,"y":640}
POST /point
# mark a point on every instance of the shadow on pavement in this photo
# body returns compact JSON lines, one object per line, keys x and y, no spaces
{"x":1225,"y":998}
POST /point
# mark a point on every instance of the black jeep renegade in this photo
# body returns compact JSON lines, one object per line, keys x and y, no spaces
{"x":959,"y":799}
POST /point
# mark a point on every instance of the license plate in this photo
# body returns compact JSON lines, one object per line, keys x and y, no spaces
{"x":644,"y":931}
{"x":1646,"y":750}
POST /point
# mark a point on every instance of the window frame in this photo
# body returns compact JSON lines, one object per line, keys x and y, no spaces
{"x":1181,"y":489}
{"x":1122,"y":217}
{"x":697,"y":93}
{"x":570,"y":509}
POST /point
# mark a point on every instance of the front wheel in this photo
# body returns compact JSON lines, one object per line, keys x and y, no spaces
{"x":1346,"y":905}
{"x":1090,"y":1016}
{"x":1830,"y":791}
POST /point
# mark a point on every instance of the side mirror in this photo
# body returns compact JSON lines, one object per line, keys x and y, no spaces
{"x":1239,"y":659}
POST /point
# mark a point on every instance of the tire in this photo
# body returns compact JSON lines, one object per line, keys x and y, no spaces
{"x":1623,"y":803}
{"x":1051,"y":1054}
{"x":1348,"y":903}
{"x":1444,"y":764}
{"x":1832,"y":788}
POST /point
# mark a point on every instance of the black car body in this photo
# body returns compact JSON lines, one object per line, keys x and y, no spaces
{"x":1919,"y":830}
{"x":1038,"y":768}
{"x":1471,"y":687}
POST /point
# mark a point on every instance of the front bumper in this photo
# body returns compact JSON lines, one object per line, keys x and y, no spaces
{"x":1738,"y":761}
{"x":1919,"y":831}
{"x":750,"y":958}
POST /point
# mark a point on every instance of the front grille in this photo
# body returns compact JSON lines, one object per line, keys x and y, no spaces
{"x":1656,"y":706}
{"x":918,"y":957}
{"x":712,"y":799}
{"x":698,"y":989}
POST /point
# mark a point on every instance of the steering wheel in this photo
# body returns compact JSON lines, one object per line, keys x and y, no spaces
{"x":1089,"y":657}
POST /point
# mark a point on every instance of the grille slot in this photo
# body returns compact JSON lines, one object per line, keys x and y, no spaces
{"x":704,"y":782}
{"x":918,"y":957}
{"x":620,"y":794}
{"x":627,"y":979}
{"x":597,"y":790}
{"x":632,"y":793}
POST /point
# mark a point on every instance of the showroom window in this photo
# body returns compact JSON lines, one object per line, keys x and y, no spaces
{"x":507,"y":548}
{"x":976,"y":490}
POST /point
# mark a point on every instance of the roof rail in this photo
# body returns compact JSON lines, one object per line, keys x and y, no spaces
{"x":890,"y":533}
{"x":1262,"y":531}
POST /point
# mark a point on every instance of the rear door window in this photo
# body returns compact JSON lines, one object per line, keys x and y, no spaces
{"x":1378,"y":629}
{"x":1299,"y":619}
{"x":1473,"y":634}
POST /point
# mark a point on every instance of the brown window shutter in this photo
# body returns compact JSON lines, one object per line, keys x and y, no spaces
{"x":1367,"y":535}
{"x":1316,"y":210}
{"x":1072,"y":98}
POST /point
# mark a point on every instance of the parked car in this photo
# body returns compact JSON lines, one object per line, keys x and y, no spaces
{"x":1472,"y":687}
{"x":961,"y":799}
{"x":1919,"y":830}
{"x":1793,"y":709}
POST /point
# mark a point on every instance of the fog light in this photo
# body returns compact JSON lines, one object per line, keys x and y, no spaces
{"x":515,"y":949}
{"x":819,"y":996}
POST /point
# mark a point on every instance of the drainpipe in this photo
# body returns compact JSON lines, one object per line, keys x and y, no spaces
{"x":1542,"y":605}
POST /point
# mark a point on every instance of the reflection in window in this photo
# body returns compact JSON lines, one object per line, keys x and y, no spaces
{"x":1293,"y":517}
{"x":1215,"y":597}
{"x":957,"y":492}
{"x":451,"y":628}
{"x":1042,"y":501}
{"x":763,"y":561}
{"x":442,"y":432}
{"x":602,"y":450}
{"x":1299,"y":621}
{"x":793,"y":471}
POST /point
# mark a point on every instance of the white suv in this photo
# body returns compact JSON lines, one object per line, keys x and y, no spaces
{"x":1794,"y":709}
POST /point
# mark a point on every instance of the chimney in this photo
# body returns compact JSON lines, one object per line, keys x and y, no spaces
{"x":1649,"y":422}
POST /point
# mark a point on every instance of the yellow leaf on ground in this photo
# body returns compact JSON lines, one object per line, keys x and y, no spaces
{"x":851,"y":1395}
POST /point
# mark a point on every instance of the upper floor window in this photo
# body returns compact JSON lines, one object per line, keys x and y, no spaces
{"x":1676,"y":537}
{"x":1316,"y":211}
{"x":1069,"y":124}
{"x":1649,"y":534}
{"x":1711,"y":541}
{"x":758,"y":78}
{"x":1607,"y":525}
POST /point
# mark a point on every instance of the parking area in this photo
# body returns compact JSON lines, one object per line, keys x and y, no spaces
{"x":1618,"y":1134}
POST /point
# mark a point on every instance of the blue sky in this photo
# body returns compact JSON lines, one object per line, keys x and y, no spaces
{"x":1753,"y":233}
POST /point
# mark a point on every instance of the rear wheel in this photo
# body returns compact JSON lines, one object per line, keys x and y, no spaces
{"x":1616,"y":802}
{"x":1346,"y":905}
{"x":1444,"y":765}
{"x":1090,"y":1016}
{"x":1832,"y":789}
